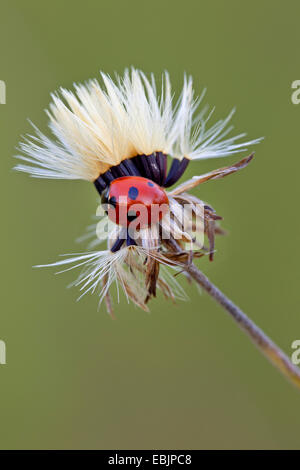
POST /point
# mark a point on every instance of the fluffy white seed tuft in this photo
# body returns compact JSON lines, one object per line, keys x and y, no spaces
{"x":96,"y":127}
{"x":125,"y":268}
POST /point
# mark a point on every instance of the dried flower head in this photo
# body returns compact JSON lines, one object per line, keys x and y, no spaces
{"x":119,"y":137}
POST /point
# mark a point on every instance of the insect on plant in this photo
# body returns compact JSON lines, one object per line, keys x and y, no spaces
{"x":120,"y":135}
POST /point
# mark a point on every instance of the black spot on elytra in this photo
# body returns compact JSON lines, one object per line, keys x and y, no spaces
{"x":150,"y":184}
{"x":133,"y":192}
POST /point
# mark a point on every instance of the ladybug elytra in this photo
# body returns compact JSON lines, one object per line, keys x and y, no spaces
{"x":134,"y":197}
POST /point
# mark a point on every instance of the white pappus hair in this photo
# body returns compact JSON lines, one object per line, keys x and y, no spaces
{"x":125,"y":269}
{"x":96,"y":127}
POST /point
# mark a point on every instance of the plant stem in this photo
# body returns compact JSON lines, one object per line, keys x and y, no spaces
{"x":275,"y":355}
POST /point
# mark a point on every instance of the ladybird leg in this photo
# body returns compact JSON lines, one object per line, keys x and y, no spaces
{"x":130,"y":241}
{"x":119,"y":242}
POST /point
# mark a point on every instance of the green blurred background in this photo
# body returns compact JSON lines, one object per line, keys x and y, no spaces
{"x":183,"y":376}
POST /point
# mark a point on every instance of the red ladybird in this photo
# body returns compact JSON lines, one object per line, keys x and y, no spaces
{"x":132,"y":197}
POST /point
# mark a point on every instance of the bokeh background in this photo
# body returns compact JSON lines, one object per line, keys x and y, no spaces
{"x":183,"y":376}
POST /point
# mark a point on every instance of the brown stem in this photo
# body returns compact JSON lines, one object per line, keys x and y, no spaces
{"x":275,"y":355}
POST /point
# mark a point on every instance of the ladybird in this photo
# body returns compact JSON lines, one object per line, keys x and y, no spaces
{"x":133,"y":197}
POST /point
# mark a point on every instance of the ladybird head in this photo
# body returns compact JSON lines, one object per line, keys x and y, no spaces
{"x":134,"y":198}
